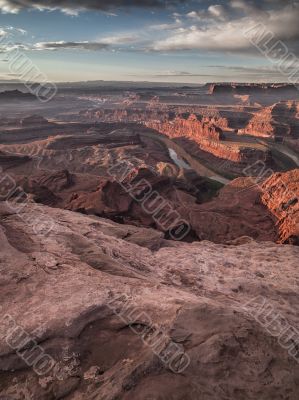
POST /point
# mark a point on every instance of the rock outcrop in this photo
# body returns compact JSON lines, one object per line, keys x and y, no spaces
{"x":279,"y":120}
{"x":207,"y":137}
{"x":281,"y":196}
{"x":253,"y":89}
{"x":95,"y":310}
{"x":147,"y":199}
{"x":16,"y":95}
{"x":190,"y":126}
{"x":34,"y":120}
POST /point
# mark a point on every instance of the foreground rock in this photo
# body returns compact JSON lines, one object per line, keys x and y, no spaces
{"x":95,"y":296}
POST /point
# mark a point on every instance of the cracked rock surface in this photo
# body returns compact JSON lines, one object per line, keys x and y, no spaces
{"x":93,"y":294}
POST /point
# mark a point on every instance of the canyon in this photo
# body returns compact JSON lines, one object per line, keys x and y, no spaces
{"x":149,"y":243}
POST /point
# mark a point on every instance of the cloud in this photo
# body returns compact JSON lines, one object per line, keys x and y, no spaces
{"x":226,"y":72}
{"x":213,"y":26}
{"x":217,"y":38}
{"x":68,"y":6}
{"x":62,"y":45}
{"x":9,"y":30}
{"x":7,"y":47}
{"x":223,"y":72}
{"x":247,"y":7}
{"x":7,"y":42}
{"x":168,"y":26}
{"x":174,"y":73}
{"x":2,"y":32}
{"x":171,"y":74}
{"x":252,"y":70}
{"x":164,"y":27}
{"x":119,"y":39}
{"x":110,"y":42}
{"x":214,"y":12}
{"x":228,"y":33}
{"x":218,"y":12}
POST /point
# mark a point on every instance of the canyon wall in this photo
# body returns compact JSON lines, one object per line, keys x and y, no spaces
{"x":252,"y":89}
{"x":280,"y":195}
{"x":192,"y":126}
{"x":279,"y":120}
{"x":207,"y":137}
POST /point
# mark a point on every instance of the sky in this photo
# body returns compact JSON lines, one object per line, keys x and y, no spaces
{"x":151,"y":40}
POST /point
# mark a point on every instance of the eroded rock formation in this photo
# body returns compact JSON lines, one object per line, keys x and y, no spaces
{"x":34,"y":120}
{"x":190,"y":126}
{"x":253,"y":89}
{"x":281,"y":196}
{"x":94,"y":299}
{"x":279,"y":120}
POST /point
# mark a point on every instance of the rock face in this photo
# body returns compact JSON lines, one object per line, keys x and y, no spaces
{"x":252,"y":94}
{"x":293,"y":144}
{"x":236,"y":211}
{"x":189,"y":126}
{"x":279,"y":120}
{"x":281,"y":196}
{"x":230,"y":158}
{"x":45,"y":187}
{"x":150,"y":200}
{"x":97,"y":303}
{"x":34,"y":120}
{"x":253,"y":89}
{"x":213,"y":134}
{"x":16,"y":95}
{"x":117,"y":312}
{"x":263,"y":125}
{"x":8,"y":160}
{"x":236,"y":153}
{"x":206,"y":135}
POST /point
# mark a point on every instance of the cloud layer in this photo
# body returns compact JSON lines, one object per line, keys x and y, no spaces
{"x":62,"y":45}
{"x":68,"y":6}
{"x":202,"y":25}
{"x":221,"y":28}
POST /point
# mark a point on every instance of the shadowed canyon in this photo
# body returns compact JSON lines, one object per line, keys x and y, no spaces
{"x":149,"y":242}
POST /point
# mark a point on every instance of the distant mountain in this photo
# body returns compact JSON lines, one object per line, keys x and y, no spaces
{"x":252,"y":88}
{"x":16,"y":95}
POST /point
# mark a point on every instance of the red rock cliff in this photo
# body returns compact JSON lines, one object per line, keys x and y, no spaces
{"x":281,"y":196}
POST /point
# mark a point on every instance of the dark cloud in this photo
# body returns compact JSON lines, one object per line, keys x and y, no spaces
{"x":214,"y":8}
{"x":93,"y":46}
{"x":13,"y":6}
